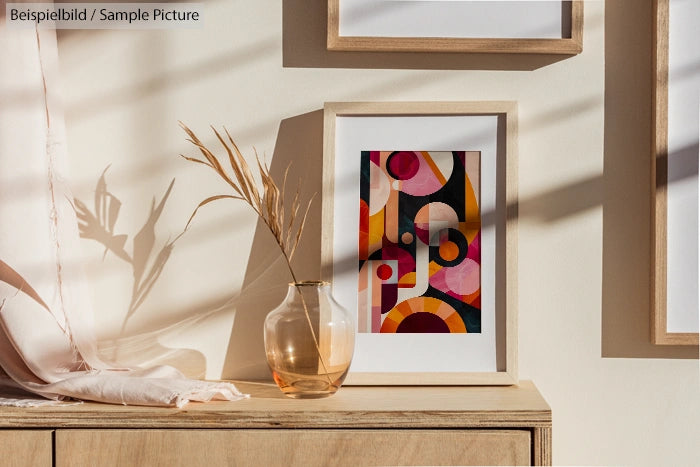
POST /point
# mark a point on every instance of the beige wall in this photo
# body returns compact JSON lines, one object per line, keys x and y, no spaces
{"x":260,"y":68}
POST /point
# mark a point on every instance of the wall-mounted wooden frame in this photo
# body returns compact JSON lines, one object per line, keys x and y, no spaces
{"x":675,"y":135}
{"x":439,"y":134}
{"x":410,"y":26}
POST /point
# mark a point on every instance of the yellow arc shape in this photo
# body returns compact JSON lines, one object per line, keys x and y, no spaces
{"x":423,"y":305}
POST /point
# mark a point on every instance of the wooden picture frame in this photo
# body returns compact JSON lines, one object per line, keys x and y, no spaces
{"x":568,"y":42}
{"x":665,"y":153}
{"x":354,"y":128}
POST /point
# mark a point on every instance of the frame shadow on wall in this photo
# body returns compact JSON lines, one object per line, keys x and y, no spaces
{"x":299,"y":146}
{"x":304,"y":46}
{"x":626,"y":291}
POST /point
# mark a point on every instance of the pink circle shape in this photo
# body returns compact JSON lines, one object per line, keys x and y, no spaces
{"x":433,"y":213}
{"x":465,"y":278}
{"x":430,"y":177}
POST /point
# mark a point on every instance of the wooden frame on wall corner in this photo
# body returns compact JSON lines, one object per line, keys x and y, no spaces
{"x":570,"y":42}
{"x":434,"y":130}
{"x":660,"y":185}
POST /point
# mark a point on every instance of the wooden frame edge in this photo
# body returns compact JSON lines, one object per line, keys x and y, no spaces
{"x":333,"y":25}
{"x":327,"y":190}
{"x":508,"y":376}
{"x":659,"y":180}
{"x":464,"y":45}
{"x":577,"y":24}
{"x":501,"y":378}
{"x":563,"y":46}
{"x":511,"y":114}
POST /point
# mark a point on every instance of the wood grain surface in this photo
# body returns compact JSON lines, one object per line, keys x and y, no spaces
{"x":25,"y":448}
{"x":397,"y":425}
{"x":351,"y":407}
{"x":87,"y":448}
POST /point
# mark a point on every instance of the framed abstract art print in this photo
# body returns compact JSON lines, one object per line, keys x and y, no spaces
{"x":419,"y":238}
{"x":466,"y":26}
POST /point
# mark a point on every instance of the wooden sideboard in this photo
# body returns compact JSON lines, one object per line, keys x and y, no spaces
{"x":357,"y":426}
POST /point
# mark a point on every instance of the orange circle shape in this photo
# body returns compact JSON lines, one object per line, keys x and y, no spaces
{"x":449,"y":250}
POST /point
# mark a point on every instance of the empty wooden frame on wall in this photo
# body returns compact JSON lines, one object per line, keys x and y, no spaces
{"x":674,"y":168}
{"x":472,"y":26}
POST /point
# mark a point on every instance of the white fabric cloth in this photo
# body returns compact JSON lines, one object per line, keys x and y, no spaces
{"x":47,"y":344}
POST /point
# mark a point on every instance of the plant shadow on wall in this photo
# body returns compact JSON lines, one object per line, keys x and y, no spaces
{"x":147,"y":263}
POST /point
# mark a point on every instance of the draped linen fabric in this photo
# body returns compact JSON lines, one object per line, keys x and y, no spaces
{"x":47,"y":343}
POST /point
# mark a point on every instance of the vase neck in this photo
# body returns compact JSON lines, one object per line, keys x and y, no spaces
{"x":310,"y":284}
{"x":310,"y":290}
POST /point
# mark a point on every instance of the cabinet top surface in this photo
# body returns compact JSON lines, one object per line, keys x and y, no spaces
{"x":352,"y":406}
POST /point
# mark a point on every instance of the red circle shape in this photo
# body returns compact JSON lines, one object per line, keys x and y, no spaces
{"x":384,"y":272}
{"x":403,"y":165}
{"x":422,"y":322}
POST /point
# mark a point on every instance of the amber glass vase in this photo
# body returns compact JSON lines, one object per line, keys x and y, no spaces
{"x":309,"y":341}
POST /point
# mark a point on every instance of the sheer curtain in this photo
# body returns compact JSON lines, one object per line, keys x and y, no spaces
{"x":47,"y":345}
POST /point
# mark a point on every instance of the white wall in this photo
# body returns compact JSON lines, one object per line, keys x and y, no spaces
{"x":583,"y":176}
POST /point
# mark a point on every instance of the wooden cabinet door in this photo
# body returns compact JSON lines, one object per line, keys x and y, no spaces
{"x":30,"y":448}
{"x":287,"y":447}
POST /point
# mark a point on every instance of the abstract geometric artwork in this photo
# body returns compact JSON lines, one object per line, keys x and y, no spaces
{"x":419,"y":242}
{"x":419,"y":238}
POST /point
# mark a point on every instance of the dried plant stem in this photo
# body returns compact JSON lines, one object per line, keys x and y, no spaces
{"x":288,"y":262}
{"x":268,"y":204}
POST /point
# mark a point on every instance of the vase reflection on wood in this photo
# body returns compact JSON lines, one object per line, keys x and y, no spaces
{"x":309,"y":341}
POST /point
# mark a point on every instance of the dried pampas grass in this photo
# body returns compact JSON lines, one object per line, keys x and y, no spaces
{"x":266,"y":199}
